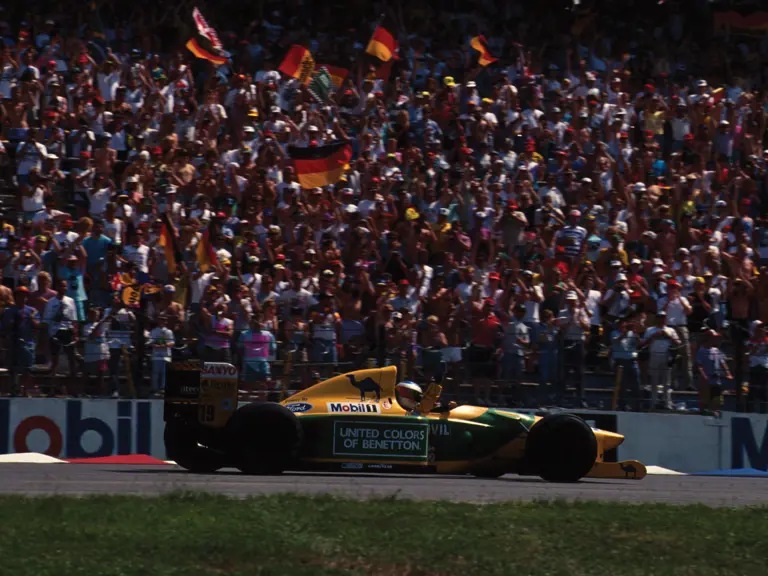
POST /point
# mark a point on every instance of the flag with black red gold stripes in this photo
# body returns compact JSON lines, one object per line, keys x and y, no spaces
{"x":298,"y":63}
{"x":382,"y":44}
{"x":205,"y":43}
{"x":318,"y":166}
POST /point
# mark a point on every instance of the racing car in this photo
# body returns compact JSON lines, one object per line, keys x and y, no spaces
{"x":367,"y":421}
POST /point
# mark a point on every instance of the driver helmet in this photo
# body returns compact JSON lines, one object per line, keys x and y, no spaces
{"x":408,"y":395}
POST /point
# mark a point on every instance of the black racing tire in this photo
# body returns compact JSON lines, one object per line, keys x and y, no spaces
{"x":181,"y":446}
{"x":561,"y":448}
{"x":264,"y":438}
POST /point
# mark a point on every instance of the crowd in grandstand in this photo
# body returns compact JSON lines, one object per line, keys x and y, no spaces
{"x":577,"y":191}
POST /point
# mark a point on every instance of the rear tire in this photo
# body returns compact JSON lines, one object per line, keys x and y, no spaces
{"x":561,"y":448}
{"x":264,"y":438}
{"x":181,"y":446}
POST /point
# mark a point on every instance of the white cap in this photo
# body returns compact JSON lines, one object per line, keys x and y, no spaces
{"x":635,"y":261}
{"x":144,"y":155}
{"x":351,"y":209}
{"x":571,"y":295}
{"x":621,"y":278}
{"x":639,"y":187}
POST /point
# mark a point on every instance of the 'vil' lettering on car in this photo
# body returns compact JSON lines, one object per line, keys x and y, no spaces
{"x":439,"y":429}
{"x":353,"y":407}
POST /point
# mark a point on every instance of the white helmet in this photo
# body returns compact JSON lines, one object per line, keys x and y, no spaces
{"x":408,"y":395}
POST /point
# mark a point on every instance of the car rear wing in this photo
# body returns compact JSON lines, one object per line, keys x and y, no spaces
{"x":202,"y":393}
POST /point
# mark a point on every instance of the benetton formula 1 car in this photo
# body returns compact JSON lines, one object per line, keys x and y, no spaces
{"x":355,"y":422}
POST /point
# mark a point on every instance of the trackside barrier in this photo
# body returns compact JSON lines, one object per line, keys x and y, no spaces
{"x":65,"y":428}
{"x":75,"y":428}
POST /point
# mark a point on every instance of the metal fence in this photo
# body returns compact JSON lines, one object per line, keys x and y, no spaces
{"x":554,"y":377}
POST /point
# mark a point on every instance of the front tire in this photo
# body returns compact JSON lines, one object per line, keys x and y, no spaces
{"x":181,"y":446}
{"x":264,"y":438}
{"x":561,"y":448}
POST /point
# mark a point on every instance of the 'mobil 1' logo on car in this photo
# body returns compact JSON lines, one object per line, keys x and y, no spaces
{"x":299,"y":406}
{"x":353,"y":407}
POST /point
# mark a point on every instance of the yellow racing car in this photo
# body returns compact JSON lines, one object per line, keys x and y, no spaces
{"x":367,"y":421}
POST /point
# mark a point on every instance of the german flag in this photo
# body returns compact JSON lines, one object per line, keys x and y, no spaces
{"x":382,"y":45}
{"x":298,"y":63}
{"x":168,"y":241}
{"x":205,"y":43}
{"x":200,"y":51}
{"x":319,"y":166}
{"x":479,"y":44}
{"x":206,"y":255}
{"x":337,"y":74}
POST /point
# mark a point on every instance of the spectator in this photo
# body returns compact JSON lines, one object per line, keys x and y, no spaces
{"x":625,"y":343}
{"x":713,"y":371}
{"x":574,"y":324}
{"x":257,"y":348}
{"x":19,"y":323}
{"x":60,"y":315}
{"x":486,"y":328}
{"x":678,"y":309}
{"x":517,"y":341}
{"x":96,"y":348}
{"x":162,"y":340}
{"x":661,"y":341}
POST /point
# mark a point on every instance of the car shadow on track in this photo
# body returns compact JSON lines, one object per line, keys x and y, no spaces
{"x":432,"y":477}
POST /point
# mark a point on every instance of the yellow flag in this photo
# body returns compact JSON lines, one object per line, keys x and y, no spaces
{"x":131,"y":295}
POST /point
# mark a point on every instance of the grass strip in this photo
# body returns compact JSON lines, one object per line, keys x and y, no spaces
{"x":202,"y":534}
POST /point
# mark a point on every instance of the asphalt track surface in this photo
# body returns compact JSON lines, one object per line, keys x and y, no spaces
{"x":75,"y":479}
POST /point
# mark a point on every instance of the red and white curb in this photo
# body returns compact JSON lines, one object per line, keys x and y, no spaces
{"x":127,"y":459}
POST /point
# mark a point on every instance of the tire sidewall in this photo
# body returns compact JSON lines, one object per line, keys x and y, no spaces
{"x":561,"y":448}
{"x":263,"y":438}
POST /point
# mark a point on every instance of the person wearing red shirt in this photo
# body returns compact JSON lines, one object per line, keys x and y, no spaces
{"x":486,"y":330}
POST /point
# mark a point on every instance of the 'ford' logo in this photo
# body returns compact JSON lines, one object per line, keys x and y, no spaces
{"x":299,"y":406}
